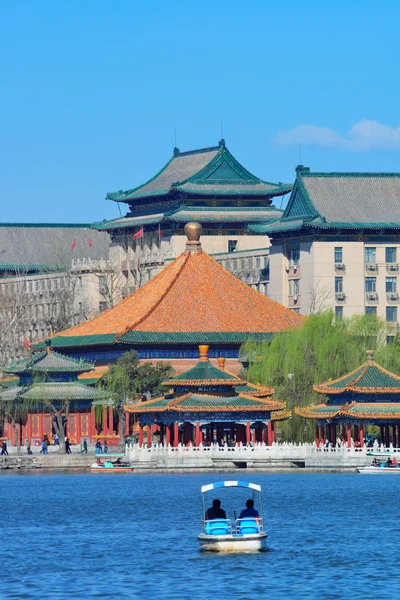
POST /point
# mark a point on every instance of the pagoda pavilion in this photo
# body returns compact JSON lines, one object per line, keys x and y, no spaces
{"x":194,"y":300}
{"x":49,"y":377}
{"x":208,"y":404}
{"x":208,"y":186}
{"x":369,"y":395}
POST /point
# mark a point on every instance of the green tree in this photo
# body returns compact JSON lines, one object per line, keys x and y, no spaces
{"x":322,"y":348}
{"x":128,"y":378}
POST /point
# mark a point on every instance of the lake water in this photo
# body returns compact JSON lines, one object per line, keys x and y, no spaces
{"x":134,"y":536}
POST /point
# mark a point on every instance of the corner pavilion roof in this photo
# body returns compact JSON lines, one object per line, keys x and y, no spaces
{"x":49,"y":362}
{"x":369,"y":378}
{"x":211,"y":395}
{"x":356,"y":389}
{"x":193,"y":300}
{"x":208,"y":171}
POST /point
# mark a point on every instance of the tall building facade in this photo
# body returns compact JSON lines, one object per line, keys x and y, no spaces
{"x":337,"y":245}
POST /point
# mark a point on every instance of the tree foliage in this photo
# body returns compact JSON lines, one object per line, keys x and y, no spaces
{"x":322,"y":348}
{"x":128,"y":378}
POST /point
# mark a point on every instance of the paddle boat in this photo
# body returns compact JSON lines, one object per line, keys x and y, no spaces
{"x":110,"y":463}
{"x":384,"y":463}
{"x":237,"y":535}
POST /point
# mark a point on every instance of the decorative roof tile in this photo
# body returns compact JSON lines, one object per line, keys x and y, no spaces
{"x":62,"y":391}
{"x":49,"y":362}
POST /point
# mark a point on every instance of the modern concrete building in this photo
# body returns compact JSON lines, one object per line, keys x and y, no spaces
{"x":337,"y":245}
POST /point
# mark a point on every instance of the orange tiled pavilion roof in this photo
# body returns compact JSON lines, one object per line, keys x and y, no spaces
{"x":194,"y":297}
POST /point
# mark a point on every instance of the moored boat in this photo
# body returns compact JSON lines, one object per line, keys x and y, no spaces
{"x":110,"y":463}
{"x":245,"y":534}
{"x":379,"y":466}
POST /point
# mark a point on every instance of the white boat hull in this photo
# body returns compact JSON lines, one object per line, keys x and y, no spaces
{"x":233,"y":543}
{"x":379,"y":470}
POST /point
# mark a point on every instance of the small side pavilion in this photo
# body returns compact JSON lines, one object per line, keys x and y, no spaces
{"x":208,"y":404}
{"x":369,"y":395}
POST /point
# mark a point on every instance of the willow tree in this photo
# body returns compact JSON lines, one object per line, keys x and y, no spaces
{"x":128,"y":378}
{"x":322,"y":348}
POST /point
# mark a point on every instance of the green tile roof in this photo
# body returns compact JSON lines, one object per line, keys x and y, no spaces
{"x":52,"y":362}
{"x":62,"y":391}
{"x":368,"y":379}
{"x":209,"y":171}
{"x":79,"y":340}
{"x":202,"y":372}
{"x":201,"y":337}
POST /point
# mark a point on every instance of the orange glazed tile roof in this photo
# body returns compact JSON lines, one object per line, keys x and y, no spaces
{"x":192,"y":294}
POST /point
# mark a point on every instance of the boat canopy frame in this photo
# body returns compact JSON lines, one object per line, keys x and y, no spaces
{"x":231,"y":484}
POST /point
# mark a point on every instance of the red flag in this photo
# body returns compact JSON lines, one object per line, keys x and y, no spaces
{"x":90,"y":242}
{"x":138,"y":234}
{"x":73,"y":245}
{"x":26,"y":344}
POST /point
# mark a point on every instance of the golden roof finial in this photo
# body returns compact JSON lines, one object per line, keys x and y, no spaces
{"x":221,"y":363}
{"x":47,"y":344}
{"x":203,"y":353}
{"x":370,"y":355}
{"x":193,"y":233}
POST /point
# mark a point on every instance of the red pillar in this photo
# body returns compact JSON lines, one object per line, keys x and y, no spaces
{"x":176,"y":434}
{"x":248,"y":432}
{"x":105,"y":426}
{"x":323,"y":434}
{"x":272,"y":432}
{"x":127,"y":415}
{"x":78,"y":427}
{"x":197,"y":435}
{"x":140,"y":435}
{"x":269,"y":433}
{"x":361,"y":434}
{"x":349,"y":435}
{"x":92,"y":422}
{"x":29,"y":428}
{"x":41,"y":417}
{"x":148,"y":430}
{"x":168,"y":434}
{"x":111,"y":419}
{"x":316,"y":435}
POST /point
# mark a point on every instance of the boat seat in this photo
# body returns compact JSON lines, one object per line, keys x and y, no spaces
{"x":217,"y":527}
{"x":248,"y":526}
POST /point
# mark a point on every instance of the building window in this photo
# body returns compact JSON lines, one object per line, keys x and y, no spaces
{"x":390,"y":339}
{"x":339,"y":312}
{"x":370,"y":310}
{"x":294,"y":287}
{"x":338,"y":255}
{"x":102,"y":306}
{"x":296,"y":310}
{"x":391,"y":314}
{"x":232,"y":245}
{"x":294,"y":257}
{"x":266,"y":262}
{"x":370,"y":255}
{"x":390,"y":255}
{"x":370,"y":284}
{"x":338,"y":285}
{"x":391,"y":284}
{"x":102,"y":284}
{"x":258,"y":262}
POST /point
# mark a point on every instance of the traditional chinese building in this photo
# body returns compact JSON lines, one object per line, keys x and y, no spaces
{"x":49,"y":377}
{"x":369,"y":395}
{"x":192,"y":301}
{"x":208,"y":404}
{"x":208,"y":186}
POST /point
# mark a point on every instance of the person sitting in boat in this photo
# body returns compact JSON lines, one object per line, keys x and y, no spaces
{"x":249,"y":511}
{"x":215,"y":511}
{"x":388,"y":463}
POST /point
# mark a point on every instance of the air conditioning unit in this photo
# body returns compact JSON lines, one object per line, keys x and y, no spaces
{"x":371,"y":266}
{"x":295,"y":298}
{"x":372,"y":296}
{"x":340,"y":266}
{"x":340,"y":296}
{"x":392,"y":267}
{"x":392,"y":296}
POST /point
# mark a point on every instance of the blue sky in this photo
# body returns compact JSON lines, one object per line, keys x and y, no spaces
{"x":91,"y":92}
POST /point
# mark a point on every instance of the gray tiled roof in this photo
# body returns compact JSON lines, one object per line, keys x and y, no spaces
{"x":62,"y":391}
{"x":179,"y":168}
{"x":355,"y":197}
{"x":27,"y":245}
{"x":52,"y":362}
{"x":237,"y":188}
{"x":228,"y":215}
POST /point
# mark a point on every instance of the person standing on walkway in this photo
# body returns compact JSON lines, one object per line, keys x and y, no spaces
{"x":67,"y":446}
{"x":4,"y":447}
{"x":84,"y":449}
{"x":105,"y":447}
